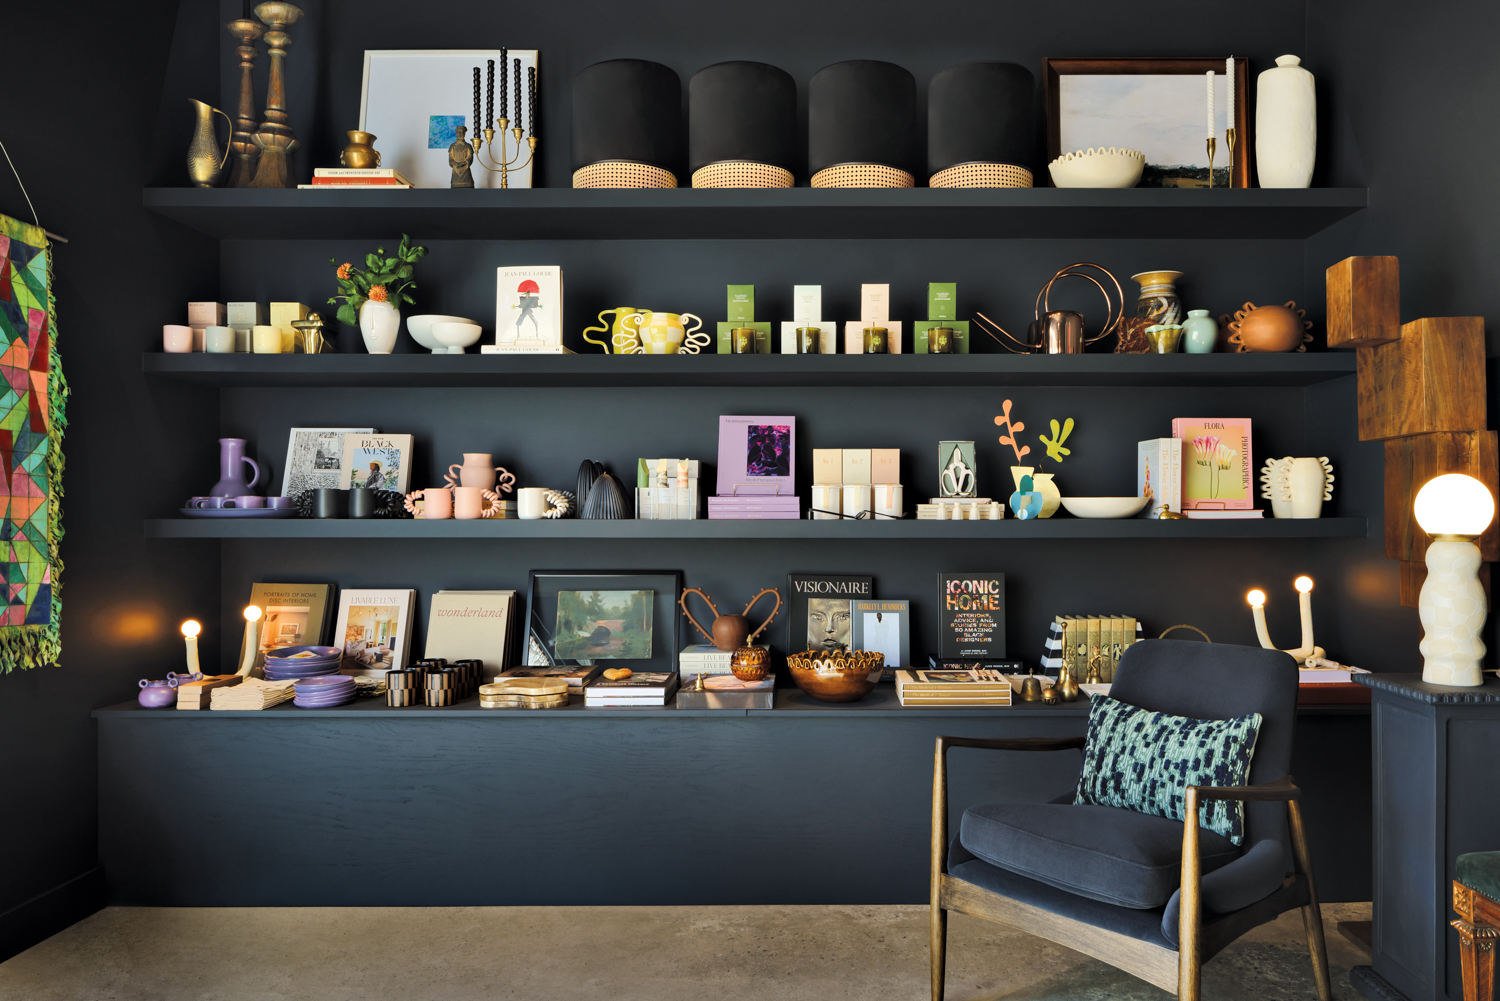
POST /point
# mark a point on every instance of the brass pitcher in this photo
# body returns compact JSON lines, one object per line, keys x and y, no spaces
{"x":204,"y":161}
{"x":361,"y":152}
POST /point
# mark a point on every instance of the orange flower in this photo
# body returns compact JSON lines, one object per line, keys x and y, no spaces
{"x":344,"y":270}
{"x":378,"y":293}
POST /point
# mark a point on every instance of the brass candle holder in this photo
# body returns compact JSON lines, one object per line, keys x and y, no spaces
{"x":1212,"y":145}
{"x":507,"y":161}
{"x":1230,"y":135}
{"x":275,"y":138}
{"x":242,"y":143}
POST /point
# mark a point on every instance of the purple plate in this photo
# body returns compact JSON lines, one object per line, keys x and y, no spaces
{"x":287,"y":652}
{"x":341,"y":681}
{"x":322,"y":703}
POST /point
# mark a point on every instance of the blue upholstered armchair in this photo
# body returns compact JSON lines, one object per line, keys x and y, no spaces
{"x":1154,"y":897}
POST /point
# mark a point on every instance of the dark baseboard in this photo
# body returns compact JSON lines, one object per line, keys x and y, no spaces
{"x":1373,"y":986}
{"x":46,"y":914}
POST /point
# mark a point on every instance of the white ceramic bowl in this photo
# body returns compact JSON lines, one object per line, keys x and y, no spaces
{"x":420,"y":328}
{"x":455,"y":336}
{"x":1103,"y":507}
{"x":1098,"y":168}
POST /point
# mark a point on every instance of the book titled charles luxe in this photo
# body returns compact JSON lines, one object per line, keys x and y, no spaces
{"x":1216,"y":463}
{"x":821,"y":609}
{"x":971,"y":616}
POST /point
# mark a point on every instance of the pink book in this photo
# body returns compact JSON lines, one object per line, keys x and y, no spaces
{"x":757,"y":455}
{"x":1216,"y":463}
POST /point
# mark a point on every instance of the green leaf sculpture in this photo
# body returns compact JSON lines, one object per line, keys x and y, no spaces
{"x":1055,"y":450}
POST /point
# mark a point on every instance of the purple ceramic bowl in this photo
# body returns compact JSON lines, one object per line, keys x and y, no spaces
{"x":156,"y":694}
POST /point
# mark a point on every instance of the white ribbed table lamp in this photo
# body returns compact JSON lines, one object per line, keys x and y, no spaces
{"x":1455,"y":510}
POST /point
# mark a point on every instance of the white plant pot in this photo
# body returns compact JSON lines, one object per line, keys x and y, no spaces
{"x":379,"y":322}
{"x":1311,"y":483}
{"x":1286,"y":125}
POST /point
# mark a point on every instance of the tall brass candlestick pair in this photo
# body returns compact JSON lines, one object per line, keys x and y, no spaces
{"x":262,"y":155}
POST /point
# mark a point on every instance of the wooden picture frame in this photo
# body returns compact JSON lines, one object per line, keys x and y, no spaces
{"x":1054,"y":68}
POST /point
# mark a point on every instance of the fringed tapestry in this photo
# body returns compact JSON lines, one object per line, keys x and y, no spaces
{"x":32,"y":398}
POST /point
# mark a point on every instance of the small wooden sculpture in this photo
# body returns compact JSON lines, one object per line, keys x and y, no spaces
{"x":730,"y":632}
{"x":1269,"y":328}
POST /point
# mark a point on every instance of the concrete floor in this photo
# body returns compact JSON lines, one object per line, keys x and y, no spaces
{"x":620,"y":953}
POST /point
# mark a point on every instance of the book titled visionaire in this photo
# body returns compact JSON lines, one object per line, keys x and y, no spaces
{"x":820,"y":609}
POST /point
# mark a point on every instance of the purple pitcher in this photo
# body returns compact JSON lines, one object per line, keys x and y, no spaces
{"x":232,"y":460}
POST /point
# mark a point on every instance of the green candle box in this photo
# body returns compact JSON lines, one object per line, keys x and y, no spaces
{"x":942,"y":301}
{"x":741,"y":304}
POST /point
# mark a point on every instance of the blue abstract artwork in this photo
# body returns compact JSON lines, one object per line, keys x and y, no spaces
{"x":442,"y":130}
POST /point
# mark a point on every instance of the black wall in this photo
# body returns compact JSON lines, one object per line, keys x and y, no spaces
{"x":1403,"y":111}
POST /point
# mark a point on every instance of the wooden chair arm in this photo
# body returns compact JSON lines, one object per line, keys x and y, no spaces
{"x":1011,"y":743}
{"x":1283,"y":790}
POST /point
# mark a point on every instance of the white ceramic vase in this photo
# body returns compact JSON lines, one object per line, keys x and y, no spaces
{"x":1452,"y":608}
{"x":1310,"y":483}
{"x":379,"y":322}
{"x":1286,"y":125}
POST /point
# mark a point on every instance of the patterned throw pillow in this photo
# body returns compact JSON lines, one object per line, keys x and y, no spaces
{"x":1144,"y":761}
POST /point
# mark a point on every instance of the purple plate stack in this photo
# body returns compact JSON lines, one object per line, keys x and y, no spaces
{"x":283,"y":664}
{"x":320,"y":693}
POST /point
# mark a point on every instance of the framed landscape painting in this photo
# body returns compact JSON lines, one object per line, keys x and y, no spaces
{"x":1155,"y":105}
{"x":621,"y":618}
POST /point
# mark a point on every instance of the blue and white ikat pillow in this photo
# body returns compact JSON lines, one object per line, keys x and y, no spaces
{"x":1144,"y":761}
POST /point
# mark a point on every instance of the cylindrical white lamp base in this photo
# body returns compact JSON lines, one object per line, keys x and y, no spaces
{"x":1452,"y":607}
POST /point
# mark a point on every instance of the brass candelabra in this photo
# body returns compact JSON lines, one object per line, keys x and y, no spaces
{"x":506,"y":162}
{"x":525,"y":146}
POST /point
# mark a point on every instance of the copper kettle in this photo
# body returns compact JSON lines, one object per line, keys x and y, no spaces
{"x":1062,"y":331}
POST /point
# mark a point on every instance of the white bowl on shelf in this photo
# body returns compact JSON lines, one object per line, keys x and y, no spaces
{"x":455,"y":336}
{"x":420,"y":328}
{"x":1103,"y":507}
{"x":1098,"y":168}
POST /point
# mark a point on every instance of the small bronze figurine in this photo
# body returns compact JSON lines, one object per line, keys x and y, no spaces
{"x":461,"y":159}
{"x":1095,"y":677}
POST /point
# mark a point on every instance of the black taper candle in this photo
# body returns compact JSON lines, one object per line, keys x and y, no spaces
{"x":248,"y":10}
{"x":531,"y":97}
{"x":476,"y":100}
{"x":504,"y":100}
{"x":489,"y":97}
{"x":518,"y":94}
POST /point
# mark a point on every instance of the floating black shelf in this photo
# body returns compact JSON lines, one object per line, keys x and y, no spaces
{"x":822,"y":371}
{"x":787,"y":213}
{"x":847,"y":531}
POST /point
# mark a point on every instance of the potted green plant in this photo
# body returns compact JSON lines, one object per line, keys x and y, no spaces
{"x":370,"y":297}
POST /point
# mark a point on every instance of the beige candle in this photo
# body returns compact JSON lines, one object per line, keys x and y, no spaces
{"x":1304,"y":586}
{"x":190,"y":631}
{"x":1257,"y":600}
{"x":252,"y":640}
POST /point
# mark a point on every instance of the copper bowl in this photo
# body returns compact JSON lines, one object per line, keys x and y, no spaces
{"x":750,"y":663}
{"x":840,"y":676}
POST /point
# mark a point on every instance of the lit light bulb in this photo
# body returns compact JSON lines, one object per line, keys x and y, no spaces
{"x":1454,"y":504}
{"x":191,"y":628}
{"x":1256,"y":598}
{"x":252,"y":613}
{"x":1303,"y":584}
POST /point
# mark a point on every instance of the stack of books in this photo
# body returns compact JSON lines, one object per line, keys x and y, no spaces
{"x":1323,"y":682}
{"x":705,"y":658}
{"x":351,"y":177}
{"x":725,"y":691}
{"x":197,"y":694}
{"x":253,"y":693}
{"x":961,"y":509}
{"x":759,"y":507}
{"x":643,"y":688}
{"x":952,"y":688}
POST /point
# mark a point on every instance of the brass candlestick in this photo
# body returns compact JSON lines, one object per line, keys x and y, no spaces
{"x":242,"y":143}
{"x":1212,"y":144}
{"x":275,"y":138}
{"x":1230,"y":135}
{"x":506,"y":162}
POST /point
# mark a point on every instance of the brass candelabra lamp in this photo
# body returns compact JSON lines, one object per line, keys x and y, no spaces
{"x":275,"y":138}
{"x":505,"y":159}
{"x":242,"y":143}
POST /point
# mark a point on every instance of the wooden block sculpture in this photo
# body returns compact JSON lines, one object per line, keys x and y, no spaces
{"x":1478,"y":927}
{"x":1422,"y":392}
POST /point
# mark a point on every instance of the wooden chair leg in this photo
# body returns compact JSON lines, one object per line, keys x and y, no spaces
{"x":939,"y":945}
{"x":1476,"y":952}
{"x":1190,"y":908}
{"x":1312,"y":914}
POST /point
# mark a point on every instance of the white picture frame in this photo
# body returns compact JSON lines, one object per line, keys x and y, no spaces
{"x":404,"y":90}
{"x":315,"y":458}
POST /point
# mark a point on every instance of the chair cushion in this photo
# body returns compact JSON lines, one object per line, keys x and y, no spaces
{"x":1116,"y":856}
{"x":1142,"y":760}
{"x":1480,"y":871}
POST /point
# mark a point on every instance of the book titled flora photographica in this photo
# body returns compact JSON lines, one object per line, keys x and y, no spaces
{"x":971,"y":616}
{"x":1216,"y":463}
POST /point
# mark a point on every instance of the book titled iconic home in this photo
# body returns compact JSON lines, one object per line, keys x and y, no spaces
{"x":971,"y":616}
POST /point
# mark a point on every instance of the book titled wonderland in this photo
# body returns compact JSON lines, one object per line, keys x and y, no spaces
{"x":820,"y":610}
{"x":971,"y":616}
{"x":1216,"y":462}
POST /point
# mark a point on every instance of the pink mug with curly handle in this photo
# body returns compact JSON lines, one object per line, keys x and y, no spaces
{"x":473,"y":502}
{"x":434,"y":503}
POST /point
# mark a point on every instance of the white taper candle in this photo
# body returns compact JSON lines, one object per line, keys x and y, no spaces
{"x":1209,"y":77}
{"x":1229,"y":117}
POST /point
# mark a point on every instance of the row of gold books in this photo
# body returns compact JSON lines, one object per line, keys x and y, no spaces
{"x":971,"y":687}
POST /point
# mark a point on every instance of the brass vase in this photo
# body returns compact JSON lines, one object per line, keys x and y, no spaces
{"x":205,"y":161}
{"x":361,"y":153}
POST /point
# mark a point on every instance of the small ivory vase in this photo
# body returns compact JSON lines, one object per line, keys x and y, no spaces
{"x":1452,"y":608}
{"x":1286,"y":125}
{"x":379,"y":322}
{"x":1309,"y":483}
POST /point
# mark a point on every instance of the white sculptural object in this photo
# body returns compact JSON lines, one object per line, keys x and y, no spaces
{"x":1455,"y":510}
{"x":1297,"y":487}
